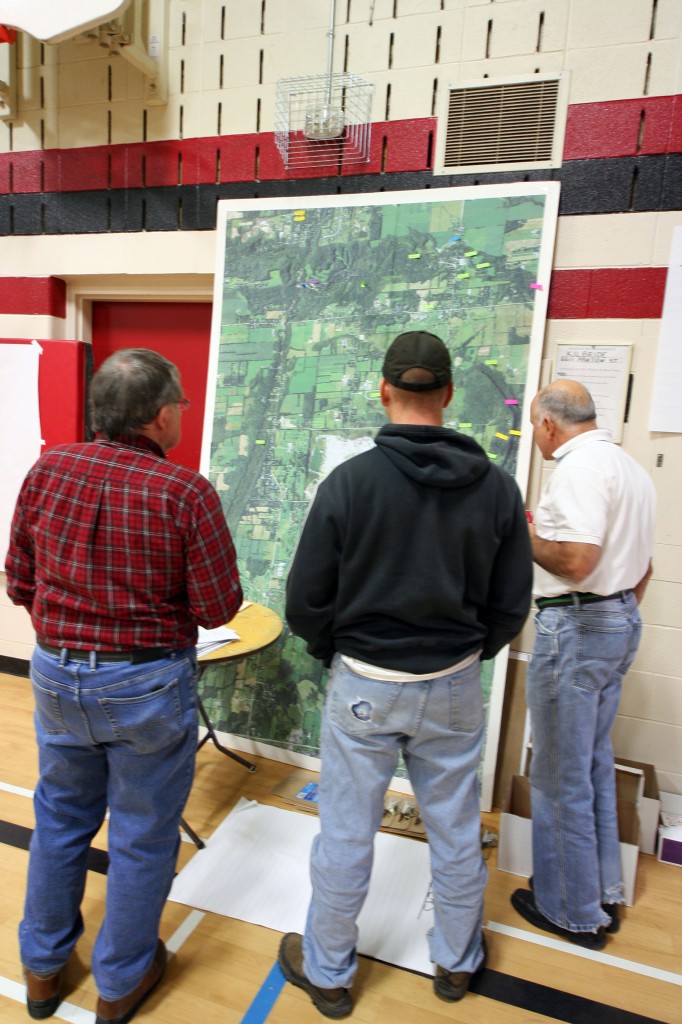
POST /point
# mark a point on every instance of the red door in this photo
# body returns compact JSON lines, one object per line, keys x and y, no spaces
{"x":180,"y":331}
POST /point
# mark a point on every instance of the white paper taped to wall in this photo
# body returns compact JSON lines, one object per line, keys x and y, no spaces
{"x":19,"y":427}
{"x":666,"y":407}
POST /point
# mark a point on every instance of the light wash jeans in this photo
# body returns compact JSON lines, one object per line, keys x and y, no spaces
{"x":120,"y":735}
{"x":438,"y":724}
{"x":573,"y":688}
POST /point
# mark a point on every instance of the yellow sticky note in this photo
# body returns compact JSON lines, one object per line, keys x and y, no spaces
{"x":502,"y":437}
{"x":472,"y":252}
{"x":491,"y":362}
{"x":491,"y":455}
{"x":516,"y":433}
{"x":465,"y":424}
{"x":260,"y":442}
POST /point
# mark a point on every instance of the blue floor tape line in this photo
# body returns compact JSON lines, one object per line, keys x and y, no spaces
{"x":258,"y":1012}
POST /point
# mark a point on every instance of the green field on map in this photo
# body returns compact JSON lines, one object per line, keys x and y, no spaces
{"x":311,"y":298}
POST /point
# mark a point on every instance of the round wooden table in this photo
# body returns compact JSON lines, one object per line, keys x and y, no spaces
{"x":258,"y":627}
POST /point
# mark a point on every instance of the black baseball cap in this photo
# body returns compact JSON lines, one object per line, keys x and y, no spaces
{"x":417,"y":349}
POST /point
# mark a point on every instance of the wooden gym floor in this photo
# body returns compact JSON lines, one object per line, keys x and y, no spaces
{"x":222,"y":969}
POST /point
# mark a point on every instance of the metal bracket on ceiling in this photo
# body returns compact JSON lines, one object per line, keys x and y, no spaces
{"x":139,"y":36}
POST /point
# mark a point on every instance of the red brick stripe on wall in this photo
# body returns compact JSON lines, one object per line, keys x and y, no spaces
{"x":607,"y":294}
{"x":624,"y":128}
{"x":593,"y":131}
{"x":33,"y":296}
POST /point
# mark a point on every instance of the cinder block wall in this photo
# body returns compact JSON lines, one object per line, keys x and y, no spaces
{"x":116,"y":196}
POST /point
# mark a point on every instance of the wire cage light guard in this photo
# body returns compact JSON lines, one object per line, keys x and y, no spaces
{"x":323,"y":119}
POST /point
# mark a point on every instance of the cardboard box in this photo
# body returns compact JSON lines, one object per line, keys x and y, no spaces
{"x":515,"y":845}
{"x":649,"y":803}
{"x":670,"y":830}
{"x":515,"y":851}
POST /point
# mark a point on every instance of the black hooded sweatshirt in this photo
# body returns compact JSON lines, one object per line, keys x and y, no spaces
{"x":414,"y":555}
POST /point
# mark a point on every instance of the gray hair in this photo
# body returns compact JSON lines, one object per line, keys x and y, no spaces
{"x":129,"y":389}
{"x":566,"y":406}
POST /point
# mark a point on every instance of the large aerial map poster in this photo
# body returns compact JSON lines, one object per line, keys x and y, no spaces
{"x":309,"y":294}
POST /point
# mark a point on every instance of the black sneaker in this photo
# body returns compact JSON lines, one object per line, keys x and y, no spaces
{"x":332,"y":1002}
{"x":453,"y":985}
{"x":523,"y":901}
{"x":612,"y":909}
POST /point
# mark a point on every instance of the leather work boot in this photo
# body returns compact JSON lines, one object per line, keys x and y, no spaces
{"x":332,"y":1002}
{"x":43,"y":994}
{"x":453,"y":985}
{"x":120,"y":1011}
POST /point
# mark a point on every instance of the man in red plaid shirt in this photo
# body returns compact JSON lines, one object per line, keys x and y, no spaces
{"x":118,"y":555}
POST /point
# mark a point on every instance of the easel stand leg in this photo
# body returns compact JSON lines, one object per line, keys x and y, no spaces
{"x":199,"y":843}
{"x":212,"y":735}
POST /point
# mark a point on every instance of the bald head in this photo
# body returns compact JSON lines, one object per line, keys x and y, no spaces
{"x":568,"y":402}
{"x":559,"y":412}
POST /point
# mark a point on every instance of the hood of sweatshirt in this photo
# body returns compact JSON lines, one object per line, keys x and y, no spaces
{"x":434,"y":456}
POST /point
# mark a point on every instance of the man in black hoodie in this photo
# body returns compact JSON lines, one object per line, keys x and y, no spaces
{"x":413,"y":565}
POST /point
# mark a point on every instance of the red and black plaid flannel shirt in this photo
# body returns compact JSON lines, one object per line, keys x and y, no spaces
{"x":112,"y":547}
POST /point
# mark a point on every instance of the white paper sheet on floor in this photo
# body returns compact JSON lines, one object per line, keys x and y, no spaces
{"x":255,"y":868}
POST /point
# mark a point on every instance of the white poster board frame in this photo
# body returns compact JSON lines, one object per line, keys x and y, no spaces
{"x":217,"y":412}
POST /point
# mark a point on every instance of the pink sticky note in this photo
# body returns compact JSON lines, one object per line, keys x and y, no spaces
{"x":511,"y":401}
{"x":538,"y":287}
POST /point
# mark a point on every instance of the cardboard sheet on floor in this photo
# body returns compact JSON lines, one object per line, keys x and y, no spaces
{"x":255,"y":868}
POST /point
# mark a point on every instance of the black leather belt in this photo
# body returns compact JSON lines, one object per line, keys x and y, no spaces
{"x":137,"y":657}
{"x":578,"y":598}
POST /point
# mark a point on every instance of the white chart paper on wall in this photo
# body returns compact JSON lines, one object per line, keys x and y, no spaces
{"x":605,"y":372}
{"x":666,"y":408}
{"x":19,"y":427}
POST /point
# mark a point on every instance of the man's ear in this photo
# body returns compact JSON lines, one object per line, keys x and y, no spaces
{"x":157,"y":427}
{"x":384,"y":393}
{"x":164,"y":414}
{"x":448,"y":395}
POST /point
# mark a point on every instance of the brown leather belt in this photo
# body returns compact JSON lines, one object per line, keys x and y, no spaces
{"x":137,"y":657}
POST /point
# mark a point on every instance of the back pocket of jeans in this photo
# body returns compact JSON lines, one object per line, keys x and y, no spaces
{"x":147,"y":723}
{"x":48,"y":710}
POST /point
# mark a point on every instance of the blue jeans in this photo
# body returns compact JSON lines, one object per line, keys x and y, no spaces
{"x":573,"y":689}
{"x":438,"y":724}
{"x":125,"y":736}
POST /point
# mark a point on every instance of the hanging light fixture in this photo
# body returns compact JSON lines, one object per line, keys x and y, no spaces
{"x":323,"y":119}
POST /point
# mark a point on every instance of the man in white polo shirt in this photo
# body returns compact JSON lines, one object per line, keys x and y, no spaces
{"x":592,"y":542}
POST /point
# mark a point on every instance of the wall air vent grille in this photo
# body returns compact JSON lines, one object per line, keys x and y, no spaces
{"x":501,"y":125}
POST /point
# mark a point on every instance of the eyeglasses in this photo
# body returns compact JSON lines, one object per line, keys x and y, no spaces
{"x":184,"y":403}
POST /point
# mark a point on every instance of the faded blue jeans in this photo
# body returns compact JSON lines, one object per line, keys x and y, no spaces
{"x":123,"y":736}
{"x":438,"y":724}
{"x":573,"y":689}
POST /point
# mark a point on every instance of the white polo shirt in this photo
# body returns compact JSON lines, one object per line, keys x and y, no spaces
{"x":597,"y":494}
